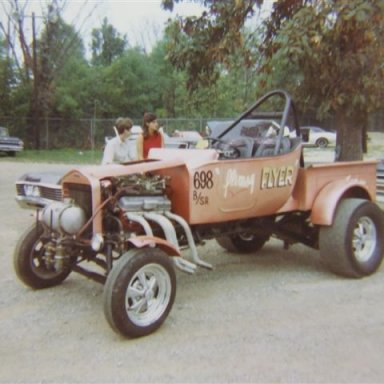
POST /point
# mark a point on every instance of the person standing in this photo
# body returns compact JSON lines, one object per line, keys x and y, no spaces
{"x":151,"y":136}
{"x":118,"y":150}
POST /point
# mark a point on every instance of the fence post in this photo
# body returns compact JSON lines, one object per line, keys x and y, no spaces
{"x":92,"y":133}
{"x":46,"y":133}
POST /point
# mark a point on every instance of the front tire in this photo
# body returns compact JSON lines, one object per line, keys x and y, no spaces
{"x":242,"y":243}
{"x":29,"y":263}
{"x":139,"y":292}
{"x":353,"y":245}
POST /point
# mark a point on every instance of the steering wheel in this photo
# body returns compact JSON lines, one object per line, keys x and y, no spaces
{"x":226,"y":150}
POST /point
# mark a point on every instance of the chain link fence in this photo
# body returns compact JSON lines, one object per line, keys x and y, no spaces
{"x":89,"y":134}
{"x":84,"y":134}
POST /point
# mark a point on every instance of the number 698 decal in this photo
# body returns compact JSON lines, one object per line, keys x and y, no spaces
{"x":203,"y":180}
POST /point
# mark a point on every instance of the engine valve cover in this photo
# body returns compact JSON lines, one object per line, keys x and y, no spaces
{"x":144,"y":203}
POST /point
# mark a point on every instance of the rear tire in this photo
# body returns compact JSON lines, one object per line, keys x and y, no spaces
{"x":353,"y":245}
{"x":242,"y":243}
{"x":139,"y":292}
{"x":322,"y":142}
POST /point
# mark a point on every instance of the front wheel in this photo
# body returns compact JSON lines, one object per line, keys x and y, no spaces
{"x":353,"y":245}
{"x":139,"y":292}
{"x":243,"y":243}
{"x":31,"y":265}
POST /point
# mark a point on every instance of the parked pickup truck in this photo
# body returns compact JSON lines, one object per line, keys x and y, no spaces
{"x":133,"y":221}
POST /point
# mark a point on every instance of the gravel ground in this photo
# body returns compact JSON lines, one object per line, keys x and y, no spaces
{"x":278,"y":316}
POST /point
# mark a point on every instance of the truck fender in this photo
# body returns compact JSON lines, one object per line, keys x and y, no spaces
{"x":325,"y":203}
{"x":153,"y":241}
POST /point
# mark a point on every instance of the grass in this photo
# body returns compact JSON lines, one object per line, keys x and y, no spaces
{"x":64,"y":156}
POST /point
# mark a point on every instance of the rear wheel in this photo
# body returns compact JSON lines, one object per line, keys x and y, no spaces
{"x":30,"y":263}
{"x":242,"y":243}
{"x":353,"y":246}
{"x":322,"y":142}
{"x":139,"y":292}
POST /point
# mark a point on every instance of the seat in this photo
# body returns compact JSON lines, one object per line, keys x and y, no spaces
{"x":285,"y":145}
{"x":267,"y":147}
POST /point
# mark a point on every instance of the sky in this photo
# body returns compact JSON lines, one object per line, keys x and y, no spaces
{"x":142,"y":21}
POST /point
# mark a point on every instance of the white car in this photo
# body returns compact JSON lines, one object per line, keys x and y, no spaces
{"x":318,"y":137}
{"x":191,"y":136}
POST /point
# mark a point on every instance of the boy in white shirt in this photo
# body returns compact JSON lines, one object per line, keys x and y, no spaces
{"x":118,"y":150}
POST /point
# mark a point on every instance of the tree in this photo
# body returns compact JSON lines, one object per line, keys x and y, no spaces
{"x":337,"y":51}
{"x":7,"y":79}
{"x":42,"y":59}
{"x":73,"y":90}
{"x":198,"y":44}
{"x":58,"y":47}
{"x":107,"y":44}
{"x":329,"y":54}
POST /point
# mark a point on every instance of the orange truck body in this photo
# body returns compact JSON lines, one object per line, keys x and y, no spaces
{"x":207,"y":190}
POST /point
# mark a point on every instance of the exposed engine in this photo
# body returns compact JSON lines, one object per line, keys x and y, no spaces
{"x":131,"y":206}
{"x":133,"y":193}
{"x":143,"y":208}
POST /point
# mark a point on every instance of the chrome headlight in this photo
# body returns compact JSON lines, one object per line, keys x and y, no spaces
{"x":31,"y":190}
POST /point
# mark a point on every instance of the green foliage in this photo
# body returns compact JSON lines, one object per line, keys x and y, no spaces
{"x":337,"y":51}
{"x":107,"y":44}
{"x":7,"y":79}
{"x":198,"y":45}
{"x":131,"y":81}
{"x":328,"y":54}
{"x":72,"y":90}
{"x":129,"y":85}
{"x":59,"y":41}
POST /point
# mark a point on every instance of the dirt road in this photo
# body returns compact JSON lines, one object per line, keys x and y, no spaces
{"x":278,"y":316}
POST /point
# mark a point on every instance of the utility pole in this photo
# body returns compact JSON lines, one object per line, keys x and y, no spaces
{"x":36,"y":128}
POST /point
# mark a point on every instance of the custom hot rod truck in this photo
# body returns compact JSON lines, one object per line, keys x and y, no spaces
{"x":131,"y":221}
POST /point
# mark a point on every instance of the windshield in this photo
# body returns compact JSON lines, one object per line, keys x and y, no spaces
{"x":270,"y":115}
{"x":269,"y":128}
